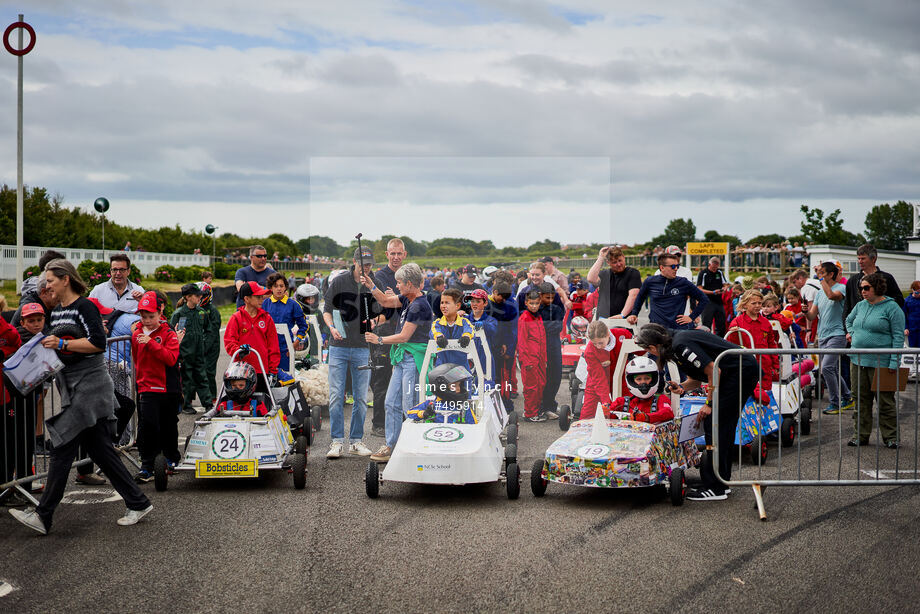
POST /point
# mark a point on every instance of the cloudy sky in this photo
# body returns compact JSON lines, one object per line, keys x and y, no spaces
{"x":509,"y":120}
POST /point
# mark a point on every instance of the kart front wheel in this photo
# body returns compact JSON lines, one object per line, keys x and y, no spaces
{"x":787,"y":432}
{"x":512,"y":417}
{"x":537,"y":483}
{"x":565,"y":417}
{"x":805,"y":418}
{"x":511,"y":436}
{"x":299,"y":468}
{"x":160,"y":473}
{"x":511,"y":453}
{"x":677,"y":487}
{"x":316,"y":416}
{"x":372,"y":480}
{"x":302,"y":442}
{"x":513,"y":480}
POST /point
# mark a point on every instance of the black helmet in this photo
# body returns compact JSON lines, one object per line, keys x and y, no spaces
{"x":236,"y":371}
{"x":442,"y":376}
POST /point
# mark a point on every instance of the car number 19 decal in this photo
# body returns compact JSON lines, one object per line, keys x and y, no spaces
{"x":593,"y":451}
{"x":228,"y":444}
{"x":443,"y":434}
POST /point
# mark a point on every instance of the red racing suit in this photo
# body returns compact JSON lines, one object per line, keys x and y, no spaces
{"x":258,"y":333}
{"x":531,"y":349}
{"x":9,"y":343}
{"x":597,"y":388}
{"x":653,"y":410}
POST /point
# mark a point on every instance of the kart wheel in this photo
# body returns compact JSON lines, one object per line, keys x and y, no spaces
{"x":537,"y":483}
{"x":372,"y":480}
{"x":758,"y":451}
{"x":299,"y":467}
{"x":301,"y":444}
{"x":805,"y":418}
{"x":677,"y":487}
{"x":160,"y":475}
{"x":787,"y":431}
{"x":510,"y":453}
{"x":565,"y":417}
{"x":512,"y":417}
{"x":316,"y":416}
{"x":511,"y":435}
{"x":513,"y":480}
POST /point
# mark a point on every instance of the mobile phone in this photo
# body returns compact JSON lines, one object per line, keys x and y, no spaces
{"x":180,"y":325}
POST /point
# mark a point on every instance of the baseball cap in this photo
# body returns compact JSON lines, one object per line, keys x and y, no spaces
{"x":148,"y":302}
{"x":365,"y":253}
{"x":102,"y":308}
{"x":580,"y":285}
{"x":547,"y":259}
{"x":469,"y":270}
{"x":479,"y":293}
{"x":251,"y":288}
{"x":672,"y":249}
{"x":30,"y":309}
{"x":191,"y":289}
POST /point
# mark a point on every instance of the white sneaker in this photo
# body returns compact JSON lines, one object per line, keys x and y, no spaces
{"x":335,"y":450}
{"x":359,"y":449}
{"x":133,"y":516}
{"x":30,"y":519}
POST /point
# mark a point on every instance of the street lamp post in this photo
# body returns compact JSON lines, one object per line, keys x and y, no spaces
{"x":102,"y":205}
{"x":211,"y":229}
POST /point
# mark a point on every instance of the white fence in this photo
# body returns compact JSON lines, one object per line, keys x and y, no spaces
{"x":147,"y":262}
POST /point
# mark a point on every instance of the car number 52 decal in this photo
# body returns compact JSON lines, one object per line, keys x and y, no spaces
{"x":443,"y":434}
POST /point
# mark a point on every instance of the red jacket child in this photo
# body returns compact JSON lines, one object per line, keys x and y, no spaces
{"x":764,"y":338}
{"x":258,"y":333}
{"x":156,"y":362}
{"x":597,"y":386}
{"x":531,"y":350}
{"x":9,"y":343}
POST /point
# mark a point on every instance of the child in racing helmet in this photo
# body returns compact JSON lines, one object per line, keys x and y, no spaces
{"x":643,"y":381}
{"x":239,"y":387}
{"x":578,"y":330}
{"x":450,"y":383}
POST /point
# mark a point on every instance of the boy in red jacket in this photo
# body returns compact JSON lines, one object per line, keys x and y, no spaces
{"x":531,"y":349}
{"x":251,"y":326}
{"x":750,"y":320}
{"x":155,"y":351}
{"x":643,"y":382}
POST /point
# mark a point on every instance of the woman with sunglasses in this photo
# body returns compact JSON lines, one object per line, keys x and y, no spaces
{"x":912,"y":315}
{"x":875,"y":322}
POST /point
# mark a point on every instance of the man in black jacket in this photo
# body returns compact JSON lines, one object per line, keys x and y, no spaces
{"x":866,"y":255}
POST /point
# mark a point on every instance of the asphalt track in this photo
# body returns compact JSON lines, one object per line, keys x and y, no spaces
{"x":245,"y":546}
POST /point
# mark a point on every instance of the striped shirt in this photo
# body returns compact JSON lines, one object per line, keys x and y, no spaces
{"x":79,"y":320}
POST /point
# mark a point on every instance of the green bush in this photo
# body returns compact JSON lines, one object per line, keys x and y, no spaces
{"x":222,"y":270}
{"x":96,"y":272}
{"x":165,"y":273}
{"x":31,"y":271}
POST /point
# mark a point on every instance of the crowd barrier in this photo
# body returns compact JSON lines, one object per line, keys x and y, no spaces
{"x":24,"y":459}
{"x":821,"y":452}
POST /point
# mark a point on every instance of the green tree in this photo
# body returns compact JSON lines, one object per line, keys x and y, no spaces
{"x":768,"y":239}
{"x":678,"y":232}
{"x":544,"y":246}
{"x":319,"y":246}
{"x":888,"y":226}
{"x":714,"y":236}
{"x":827,"y":230}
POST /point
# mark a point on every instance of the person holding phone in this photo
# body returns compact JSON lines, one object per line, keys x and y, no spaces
{"x":617,"y":285}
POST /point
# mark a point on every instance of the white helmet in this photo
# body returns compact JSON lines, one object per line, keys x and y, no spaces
{"x":580,"y":326}
{"x":305,"y":291}
{"x":488,"y":271}
{"x":642,"y":365}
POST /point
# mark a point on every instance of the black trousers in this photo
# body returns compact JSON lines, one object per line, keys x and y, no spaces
{"x":553,"y":371}
{"x":97,"y":441}
{"x":19,"y":441}
{"x":158,"y":427}
{"x":730,"y":404}
{"x":380,"y":381}
{"x":714,"y":317}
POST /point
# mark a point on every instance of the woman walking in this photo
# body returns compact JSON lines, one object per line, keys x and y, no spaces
{"x":88,"y":403}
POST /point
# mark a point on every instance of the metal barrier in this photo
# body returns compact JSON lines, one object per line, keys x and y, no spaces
{"x":831,"y":434}
{"x":23,"y":437}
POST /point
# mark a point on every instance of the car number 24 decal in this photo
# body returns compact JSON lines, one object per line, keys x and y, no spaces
{"x":443,"y":434}
{"x":228,"y":444}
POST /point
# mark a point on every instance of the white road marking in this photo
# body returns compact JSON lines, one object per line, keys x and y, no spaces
{"x":887,"y":474}
{"x":6,"y":588}
{"x":78,"y":497}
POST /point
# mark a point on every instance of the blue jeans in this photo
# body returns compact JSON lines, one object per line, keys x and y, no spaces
{"x":401,"y":396}
{"x":830,"y":368}
{"x":342,"y":360}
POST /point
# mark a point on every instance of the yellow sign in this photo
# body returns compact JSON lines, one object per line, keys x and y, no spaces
{"x":242,"y":468}
{"x":707,"y":249}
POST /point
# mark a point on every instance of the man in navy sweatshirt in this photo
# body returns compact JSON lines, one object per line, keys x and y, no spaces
{"x":667,"y":296}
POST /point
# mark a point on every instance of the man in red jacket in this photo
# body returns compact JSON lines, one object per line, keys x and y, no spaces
{"x":252,"y":326}
{"x":155,"y":351}
{"x":531,"y":349}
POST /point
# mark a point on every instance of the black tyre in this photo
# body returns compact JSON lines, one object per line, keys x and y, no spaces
{"x":299,"y":468}
{"x":511,"y":435}
{"x":677,"y":487}
{"x":372,"y":480}
{"x":565,"y":417}
{"x":537,"y":483}
{"x":758,"y":451}
{"x":302,"y":443}
{"x":805,"y":418}
{"x":160,"y":473}
{"x":510,"y":453}
{"x":787,"y":431}
{"x":513,"y":480}
{"x":512,"y":417}
{"x":316,"y":416}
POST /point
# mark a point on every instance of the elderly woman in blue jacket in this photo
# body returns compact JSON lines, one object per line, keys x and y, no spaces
{"x":875,"y":322}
